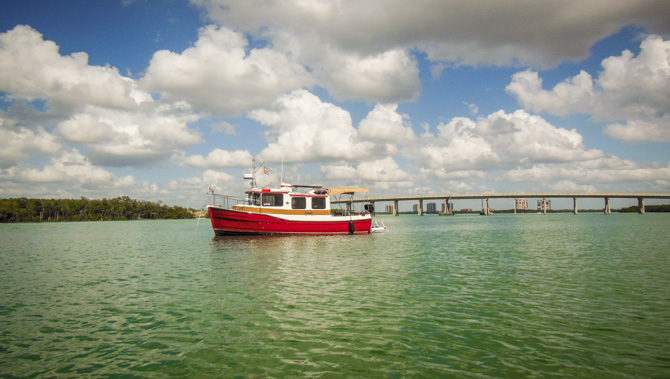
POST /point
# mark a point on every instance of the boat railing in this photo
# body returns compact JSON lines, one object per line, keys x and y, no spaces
{"x":227,"y":202}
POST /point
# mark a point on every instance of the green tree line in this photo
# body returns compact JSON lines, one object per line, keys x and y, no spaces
{"x":83,"y":209}
{"x":647,"y":208}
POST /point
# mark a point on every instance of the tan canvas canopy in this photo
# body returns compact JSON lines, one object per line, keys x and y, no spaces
{"x":346,"y":190}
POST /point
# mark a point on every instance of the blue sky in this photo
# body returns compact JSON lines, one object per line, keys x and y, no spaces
{"x":158,"y":100}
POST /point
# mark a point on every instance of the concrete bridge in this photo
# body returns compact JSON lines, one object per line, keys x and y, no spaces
{"x":446,"y":198}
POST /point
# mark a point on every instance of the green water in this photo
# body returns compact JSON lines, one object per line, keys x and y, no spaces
{"x":462,"y":296}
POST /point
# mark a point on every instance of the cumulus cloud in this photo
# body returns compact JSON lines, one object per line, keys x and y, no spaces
{"x":384,"y":123}
{"x":638,"y":130}
{"x":364,"y":50}
{"x":69,"y":166}
{"x":70,"y":174}
{"x":224,"y":127}
{"x":134,"y":138}
{"x":19,"y":144}
{"x":381,"y":170}
{"x":220,"y":158}
{"x":472,"y":33}
{"x":500,"y":140}
{"x":95,"y":106}
{"x":610,"y":170}
{"x":630,"y":89}
{"x":305,"y":129}
{"x":221,"y":75}
{"x":31,"y":68}
{"x":386,"y":77}
{"x":187,"y":188}
{"x":573,"y":95}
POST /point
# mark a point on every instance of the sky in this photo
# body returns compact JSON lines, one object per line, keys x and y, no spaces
{"x":158,"y":100}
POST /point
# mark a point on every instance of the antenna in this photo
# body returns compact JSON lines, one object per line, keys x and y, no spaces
{"x":253,"y":172}
{"x":281,"y":179}
{"x":252,"y":176}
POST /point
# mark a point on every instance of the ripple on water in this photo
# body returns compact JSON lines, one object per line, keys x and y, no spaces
{"x":499,"y":296}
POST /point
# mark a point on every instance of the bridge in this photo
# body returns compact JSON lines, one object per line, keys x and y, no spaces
{"x":446,"y":198}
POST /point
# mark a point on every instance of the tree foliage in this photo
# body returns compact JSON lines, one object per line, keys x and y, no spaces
{"x":647,"y":208}
{"x":83,"y":209}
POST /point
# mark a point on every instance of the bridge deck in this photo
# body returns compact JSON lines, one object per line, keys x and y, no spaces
{"x":516,"y":195}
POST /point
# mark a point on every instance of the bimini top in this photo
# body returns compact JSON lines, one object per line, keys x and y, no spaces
{"x":346,"y":190}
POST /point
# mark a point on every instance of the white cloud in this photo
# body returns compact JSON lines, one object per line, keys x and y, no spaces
{"x":629,"y":89}
{"x":221,"y":75}
{"x":573,"y":95}
{"x":638,"y":130}
{"x":70,"y":174}
{"x":569,"y":186}
{"x":90,"y":105}
{"x":31,"y":67}
{"x":386,"y":77}
{"x":385,"y":124}
{"x":188,"y":188}
{"x":457,"y":147}
{"x":604,"y":171}
{"x":499,"y":141}
{"x":17,"y":145}
{"x":444,"y":174}
{"x":220,"y":158}
{"x":536,"y":33}
{"x":305,"y":129}
{"x":364,"y":50}
{"x":224,"y":127}
{"x":382,"y":170}
{"x":68,"y":166}
{"x":339,"y":171}
{"x":137,"y":138}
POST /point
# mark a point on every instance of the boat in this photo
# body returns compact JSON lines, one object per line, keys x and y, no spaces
{"x":289,"y":209}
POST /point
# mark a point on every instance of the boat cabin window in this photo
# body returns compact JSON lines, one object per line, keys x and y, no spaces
{"x":298,"y":203}
{"x":254,"y":199}
{"x":318,"y":203}
{"x":273,"y":199}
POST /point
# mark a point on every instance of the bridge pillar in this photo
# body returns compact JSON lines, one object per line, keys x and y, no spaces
{"x":607,"y":206}
{"x":576,"y":211}
{"x":640,"y":205}
{"x":485,"y":211}
{"x":544,"y":206}
{"x":447,"y":210}
{"x":395,"y":207}
{"x":514,"y":206}
{"x":420,"y":208}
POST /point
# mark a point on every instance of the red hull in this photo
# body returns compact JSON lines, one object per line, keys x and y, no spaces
{"x":231,"y":222}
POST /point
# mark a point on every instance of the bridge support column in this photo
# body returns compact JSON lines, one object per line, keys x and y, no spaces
{"x":514,"y":206}
{"x":447,"y":209}
{"x":485,"y":211}
{"x":607,"y":206}
{"x":574,"y":200}
{"x":544,"y":206}
{"x":395,"y":207}
{"x":640,"y":205}
{"x":420,"y":208}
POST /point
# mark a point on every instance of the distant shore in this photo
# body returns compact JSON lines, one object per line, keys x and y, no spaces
{"x":83,"y":209}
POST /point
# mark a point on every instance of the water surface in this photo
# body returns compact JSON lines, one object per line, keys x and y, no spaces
{"x":464,"y":296}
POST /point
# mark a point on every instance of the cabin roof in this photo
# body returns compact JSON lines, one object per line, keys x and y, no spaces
{"x":346,"y":190}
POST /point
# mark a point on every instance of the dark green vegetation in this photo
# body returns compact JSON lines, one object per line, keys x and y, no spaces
{"x":647,"y":208}
{"x":83,"y":209}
